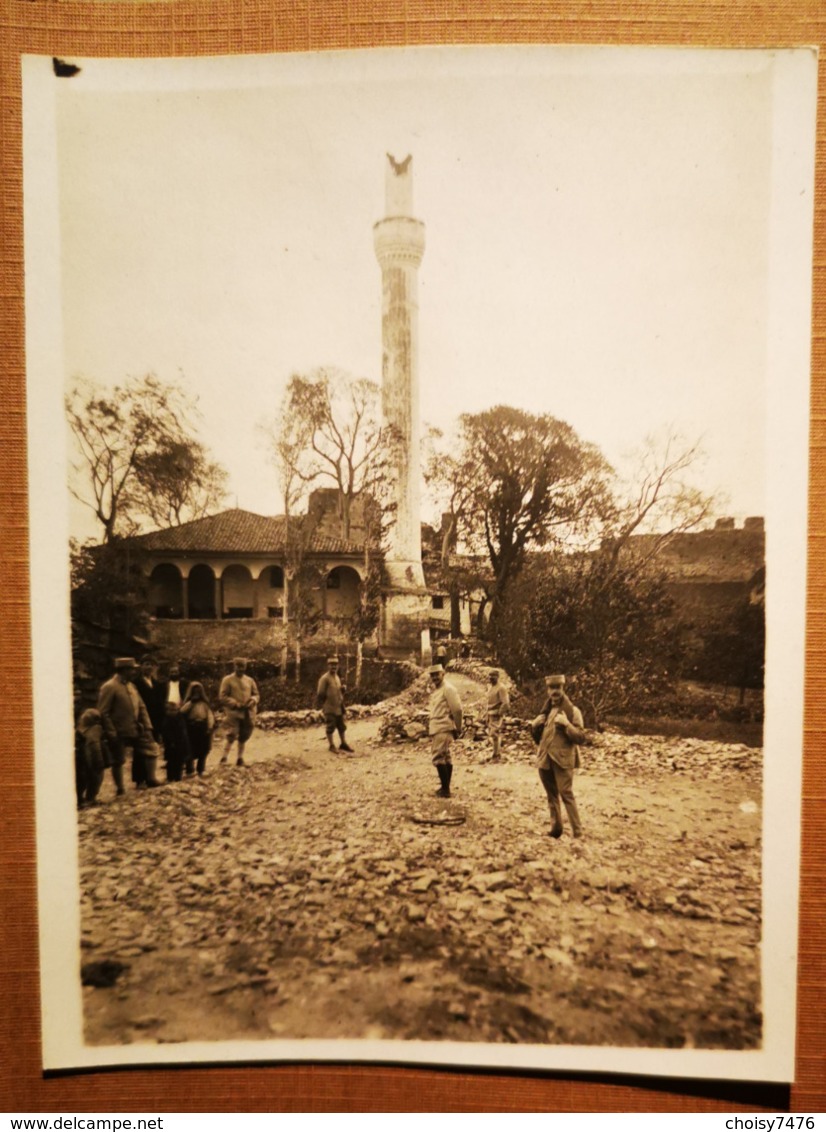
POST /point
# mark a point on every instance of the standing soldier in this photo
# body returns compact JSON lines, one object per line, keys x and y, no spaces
{"x":330,"y":700}
{"x":239,"y":698}
{"x":445,"y":725}
{"x":558,"y":729}
{"x":125,"y":722}
{"x":498,"y":704}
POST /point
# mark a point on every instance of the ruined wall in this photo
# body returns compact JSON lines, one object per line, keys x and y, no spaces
{"x":724,"y":554}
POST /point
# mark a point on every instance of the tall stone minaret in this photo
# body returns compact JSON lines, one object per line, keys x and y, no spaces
{"x":399,"y":244}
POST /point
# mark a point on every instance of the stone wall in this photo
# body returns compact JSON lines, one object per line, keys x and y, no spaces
{"x":253,"y":638}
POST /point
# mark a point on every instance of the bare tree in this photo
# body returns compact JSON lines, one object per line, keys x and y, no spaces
{"x":658,"y":499}
{"x":451,"y":476}
{"x":130,"y":439}
{"x":337,"y":421}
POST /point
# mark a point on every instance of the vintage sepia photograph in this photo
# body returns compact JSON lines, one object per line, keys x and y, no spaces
{"x":418,"y":448}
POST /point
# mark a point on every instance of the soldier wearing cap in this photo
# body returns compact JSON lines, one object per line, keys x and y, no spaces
{"x":498,"y":703}
{"x":558,"y":730}
{"x":125,"y":723}
{"x":330,"y":700}
{"x":239,"y":698}
{"x":445,"y":725}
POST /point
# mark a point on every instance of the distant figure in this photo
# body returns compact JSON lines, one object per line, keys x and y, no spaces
{"x":90,"y":758}
{"x":153,"y":692}
{"x":175,"y":742}
{"x":464,"y":652}
{"x":200,"y":723}
{"x":558,"y":730}
{"x":498,"y":703}
{"x":125,"y":720}
{"x":441,"y":654}
{"x":330,"y":700}
{"x":239,"y":698}
{"x":445,"y":725}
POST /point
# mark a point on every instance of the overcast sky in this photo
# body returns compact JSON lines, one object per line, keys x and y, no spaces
{"x":597,"y":230}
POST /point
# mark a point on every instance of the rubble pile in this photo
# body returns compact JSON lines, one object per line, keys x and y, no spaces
{"x":609,"y":750}
{"x":311,"y":717}
{"x":642,"y":754}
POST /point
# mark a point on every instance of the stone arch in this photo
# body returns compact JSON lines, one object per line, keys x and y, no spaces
{"x":201,"y":584}
{"x":341,"y":592}
{"x":238,"y":591}
{"x":166,"y":591}
{"x":270,"y":589}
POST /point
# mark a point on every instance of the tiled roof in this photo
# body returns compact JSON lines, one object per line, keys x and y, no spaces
{"x":235,"y":532}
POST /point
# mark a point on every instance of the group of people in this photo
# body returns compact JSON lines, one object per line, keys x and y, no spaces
{"x":557,"y":732}
{"x":139,"y":716}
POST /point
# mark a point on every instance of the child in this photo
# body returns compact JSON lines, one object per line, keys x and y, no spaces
{"x":90,"y":757}
{"x":200,"y":723}
{"x":175,"y":742}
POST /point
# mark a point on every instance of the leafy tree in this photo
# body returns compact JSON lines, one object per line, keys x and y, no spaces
{"x":611,"y":625}
{"x":734,"y":652}
{"x":179,"y":483}
{"x":132,"y":441}
{"x":108,"y":587}
{"x":522,"y":481}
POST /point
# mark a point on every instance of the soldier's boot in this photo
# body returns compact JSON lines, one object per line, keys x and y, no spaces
{"x":444,"y":789}
{"x":150,"y":762}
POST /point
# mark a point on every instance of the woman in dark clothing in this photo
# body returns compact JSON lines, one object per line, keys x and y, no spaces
{"x":175,"y":743}
{"x":200,"y":723}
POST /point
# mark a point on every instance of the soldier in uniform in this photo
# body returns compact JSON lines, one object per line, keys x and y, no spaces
{"x":239,"y":698}
{"x":445,"y":725}
{"x":330,"y":700}
{"x":558,"y":730}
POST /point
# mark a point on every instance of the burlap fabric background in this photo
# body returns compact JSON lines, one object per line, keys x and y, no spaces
{"x":58,"y":27}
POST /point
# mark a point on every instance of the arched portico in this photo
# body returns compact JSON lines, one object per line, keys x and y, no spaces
{"x":201,"y":593}
{"x":238,"y":592}
{"x":341,"y":592}
{"x":166,"y":592}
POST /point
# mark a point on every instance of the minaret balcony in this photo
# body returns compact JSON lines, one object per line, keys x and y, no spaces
{"x":399,"y":240}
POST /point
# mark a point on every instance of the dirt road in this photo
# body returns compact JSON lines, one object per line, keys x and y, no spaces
{"x":303,"y":897}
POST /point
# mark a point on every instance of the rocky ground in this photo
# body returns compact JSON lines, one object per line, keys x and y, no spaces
{"x":318,"y":896}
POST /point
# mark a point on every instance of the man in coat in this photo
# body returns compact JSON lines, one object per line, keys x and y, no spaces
{"x":559,"y":729}
{"x":125,"y":721}
{"x":445,"y":725}
{"x":239,"y":698}
{"x":153,"y":693}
